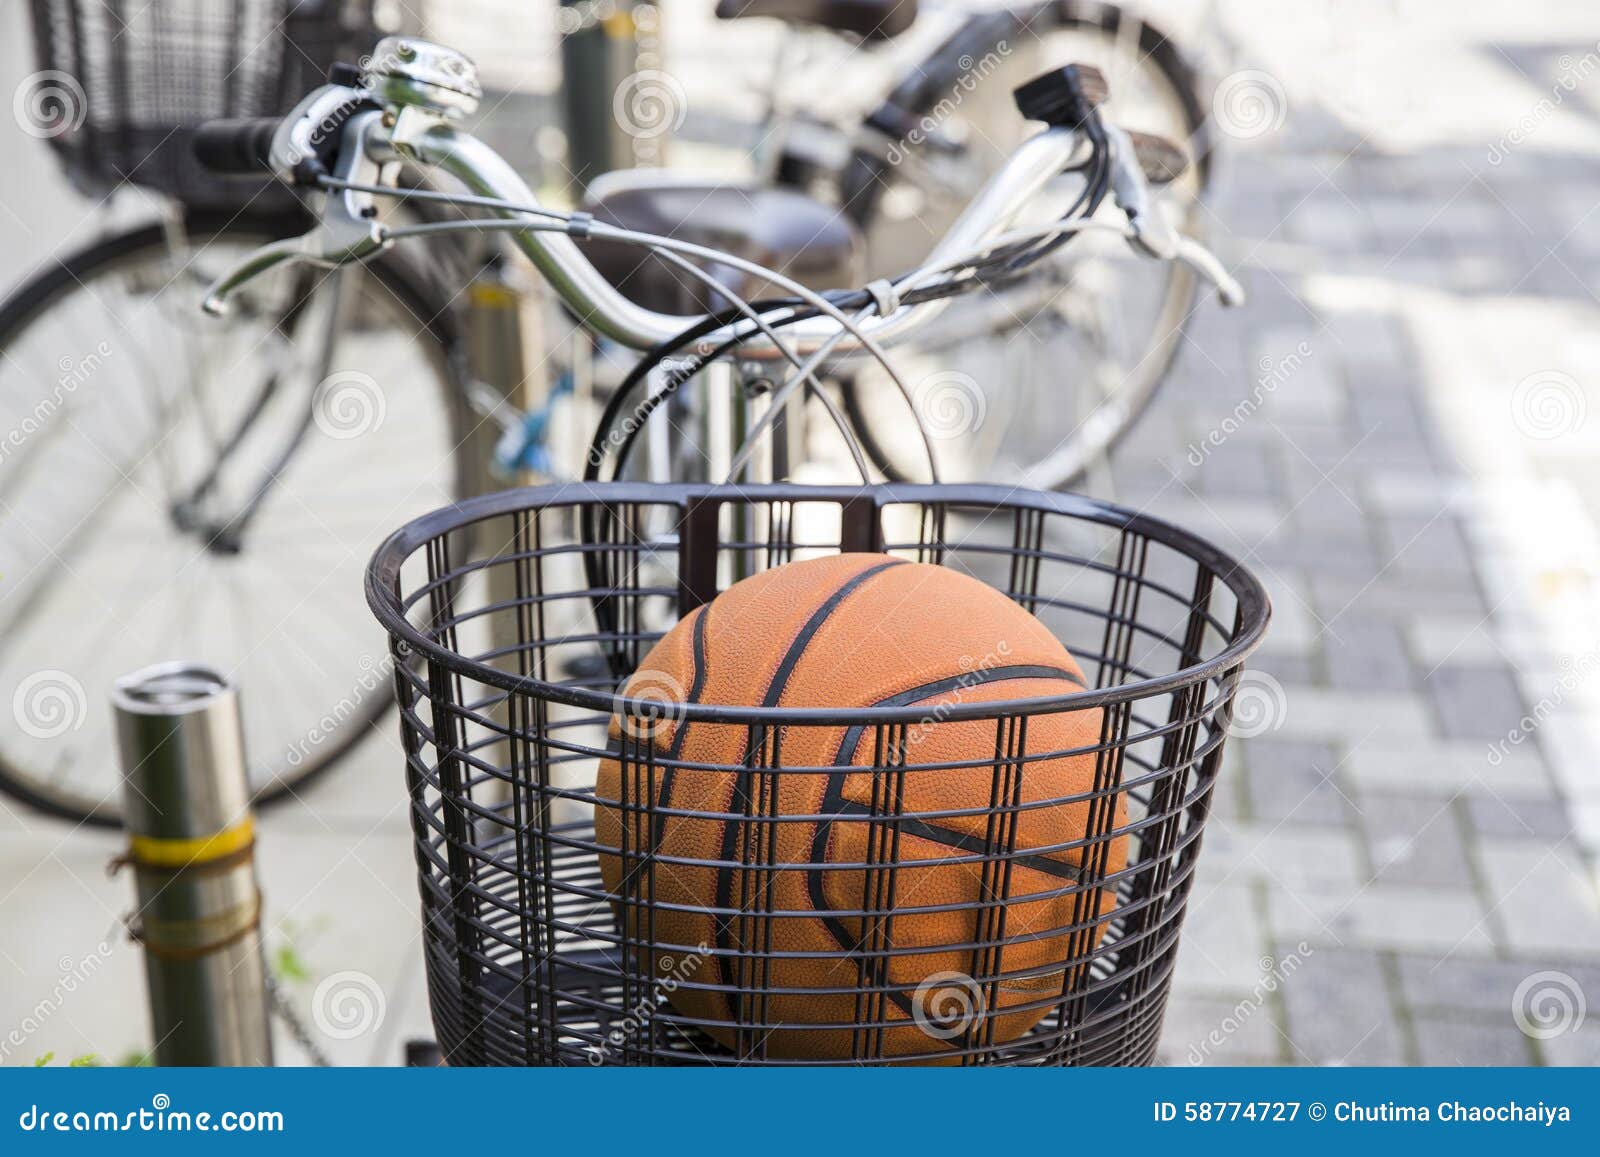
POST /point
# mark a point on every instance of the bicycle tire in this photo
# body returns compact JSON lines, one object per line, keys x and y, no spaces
{"x":863,"y":185}
{"x":55,"y":282}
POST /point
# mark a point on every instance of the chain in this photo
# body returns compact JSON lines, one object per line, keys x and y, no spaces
{"x":284,"y":1011}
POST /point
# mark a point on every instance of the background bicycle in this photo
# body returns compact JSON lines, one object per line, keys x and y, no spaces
{"x":200,"y":470}
{"x":1420,"y":508}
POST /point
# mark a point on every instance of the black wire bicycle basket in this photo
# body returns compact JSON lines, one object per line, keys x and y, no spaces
{"x":508,"y":714}
{"x":121,"y":84}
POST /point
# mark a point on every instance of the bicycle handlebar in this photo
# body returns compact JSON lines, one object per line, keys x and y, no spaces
{"x":343,"y":132}
{"x":241,"y":147}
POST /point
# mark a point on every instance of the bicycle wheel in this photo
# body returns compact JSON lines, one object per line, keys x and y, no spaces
{"x":1032,"y":383}
{"x":233,"y":475}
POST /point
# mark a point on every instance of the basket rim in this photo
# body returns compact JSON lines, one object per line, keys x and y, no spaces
{"x":383,"y":572}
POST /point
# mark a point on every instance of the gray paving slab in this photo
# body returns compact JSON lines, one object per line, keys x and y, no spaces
{"x":1414,"y":840}
{"x":1338,"y":1010}
{"x":1441,"y":1041}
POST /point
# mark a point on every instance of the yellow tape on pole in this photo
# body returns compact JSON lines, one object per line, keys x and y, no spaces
{"x":156,"y":852}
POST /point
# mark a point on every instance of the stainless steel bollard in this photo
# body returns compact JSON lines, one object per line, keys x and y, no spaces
{"x":191,"y":843}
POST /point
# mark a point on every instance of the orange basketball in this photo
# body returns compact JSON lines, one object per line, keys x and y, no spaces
{"x":858,"y":630}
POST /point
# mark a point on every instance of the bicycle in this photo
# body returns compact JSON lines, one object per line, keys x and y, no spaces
{"x":905,"y":170}
{"x":527,"y":961}
{"x":144,"y":443}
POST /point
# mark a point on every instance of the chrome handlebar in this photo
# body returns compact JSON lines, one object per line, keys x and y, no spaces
{"x":415,"y":122}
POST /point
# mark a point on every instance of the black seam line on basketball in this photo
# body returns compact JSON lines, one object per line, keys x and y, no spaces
{"x":697,"y":685}
{"x":730,"y":830}
{"x":834,"y":803}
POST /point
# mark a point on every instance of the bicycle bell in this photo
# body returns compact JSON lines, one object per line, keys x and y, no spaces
{"x":403,"y":70}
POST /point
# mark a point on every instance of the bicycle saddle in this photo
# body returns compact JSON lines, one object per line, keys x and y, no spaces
{"x":868,"y":19}
{"x":777,"y":228}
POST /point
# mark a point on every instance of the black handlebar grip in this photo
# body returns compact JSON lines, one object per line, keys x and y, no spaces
{"x":236,"y":147}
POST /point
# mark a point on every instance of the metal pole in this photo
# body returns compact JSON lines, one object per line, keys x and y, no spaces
{"x":191,"y":841}
{"x":599,"y":53}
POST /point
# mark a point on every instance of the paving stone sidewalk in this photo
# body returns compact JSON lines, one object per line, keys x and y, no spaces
{"x":1400,"y":870}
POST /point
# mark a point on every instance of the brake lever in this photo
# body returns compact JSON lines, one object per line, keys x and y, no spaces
{"x":1150,"y":232}
{"x":348,"y":228}
{"x":1208,"y":265}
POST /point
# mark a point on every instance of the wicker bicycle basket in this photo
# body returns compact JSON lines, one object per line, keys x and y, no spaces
{"x":122,"y":83}
{"x":514,"y":620}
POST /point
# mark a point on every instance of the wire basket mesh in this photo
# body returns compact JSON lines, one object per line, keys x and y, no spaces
{"x":514,"y":621}
{"x":122,"y":83}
